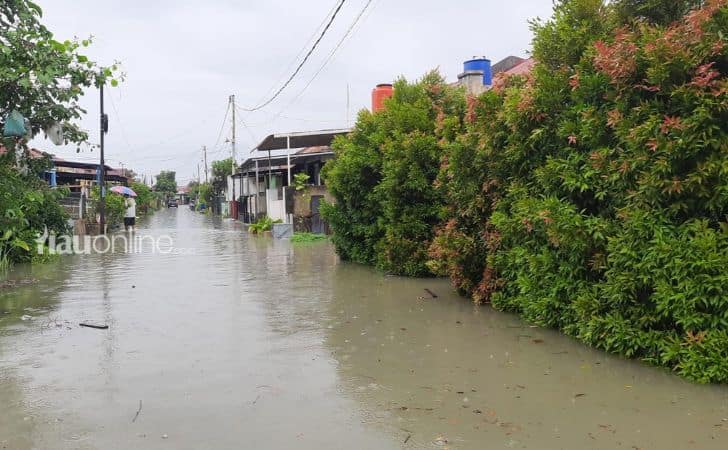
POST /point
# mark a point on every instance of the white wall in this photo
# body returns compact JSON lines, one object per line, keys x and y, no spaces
{"x":276,"y":208}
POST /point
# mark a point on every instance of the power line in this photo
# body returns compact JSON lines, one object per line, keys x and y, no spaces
{"x":321,"y":68}
{"x":300,"y":52}
{"x":121,"y":125}
{"x":333,"y":51}
{"x":222,"y":126}
{"x":300,"y":66}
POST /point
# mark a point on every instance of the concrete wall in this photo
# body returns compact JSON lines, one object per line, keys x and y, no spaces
{"x":276,"y":209}
{"x":302,"y":204}
{"x":473,"y":82}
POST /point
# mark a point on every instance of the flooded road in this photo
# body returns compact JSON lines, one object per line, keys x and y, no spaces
{"x":236,"y":342}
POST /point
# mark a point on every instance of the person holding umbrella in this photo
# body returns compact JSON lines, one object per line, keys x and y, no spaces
{"x":130,"y":213}
{"x":130,"y":203}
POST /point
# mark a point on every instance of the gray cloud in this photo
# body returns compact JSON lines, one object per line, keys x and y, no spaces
{"x":183,"y":59}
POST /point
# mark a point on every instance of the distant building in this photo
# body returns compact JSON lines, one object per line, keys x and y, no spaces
{"x":478,"y":73}
{"x":264,"y":185}
{"x":74,"y":175}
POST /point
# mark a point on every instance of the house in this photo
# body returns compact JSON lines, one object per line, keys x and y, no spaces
{"x":183,"y":195}
{"x":477,"y":76}
{"x":74,"y":175}
{"x":264,"y":184}
{"x":77,"y":177}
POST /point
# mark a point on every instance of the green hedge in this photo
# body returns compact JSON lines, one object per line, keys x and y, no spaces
{"x":590,"y":195}
{"x":599,"y":199}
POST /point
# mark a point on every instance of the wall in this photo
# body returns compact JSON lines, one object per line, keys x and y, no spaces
{"x":302,"y":204}
{"x":302,"y":208}
{"x":473,"y":82}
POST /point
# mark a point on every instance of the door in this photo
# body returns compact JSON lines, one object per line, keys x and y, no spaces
{"x":317,"y":224}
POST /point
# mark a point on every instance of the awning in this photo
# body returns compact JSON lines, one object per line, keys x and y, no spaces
{"x":300,"y":139}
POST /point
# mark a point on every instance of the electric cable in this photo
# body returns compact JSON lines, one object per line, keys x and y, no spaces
{"x":303,"y":62}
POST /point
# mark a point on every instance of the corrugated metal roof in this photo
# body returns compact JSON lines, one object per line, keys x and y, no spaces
{"x":300,"y":139}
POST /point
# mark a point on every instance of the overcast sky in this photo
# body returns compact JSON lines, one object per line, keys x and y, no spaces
{"x":183,"y":58}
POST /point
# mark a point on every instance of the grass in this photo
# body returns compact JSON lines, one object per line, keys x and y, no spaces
{"x":300,"y":238}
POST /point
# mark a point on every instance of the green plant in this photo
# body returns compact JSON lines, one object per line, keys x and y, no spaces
{"x":383,"y":177}
{"x":41,"y":77}
{"x":300,"y":182}
{"x":166,"y":183}
{"x":302,"y":238}
{"x":146,"y":199}
{"x":28,"y":207}
{"x":115,"y":207}
{"x":263,"y":224}
{"x":590,"y":195}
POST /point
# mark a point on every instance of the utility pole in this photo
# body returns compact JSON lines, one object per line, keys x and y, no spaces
{"x":232,"y":106}
{"x":104,"y":128}
{"x":204,"y":152}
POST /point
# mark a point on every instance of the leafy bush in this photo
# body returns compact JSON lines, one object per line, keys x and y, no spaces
{"x":263,"y":224}
{"x":114,"y":209}
{"x":146,"y":199}
{"x":27,"y":207}
{"x":592,"y":194}
{"x":382,"y":177}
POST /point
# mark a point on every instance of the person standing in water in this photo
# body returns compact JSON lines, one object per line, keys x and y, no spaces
{"x":130,"y":213}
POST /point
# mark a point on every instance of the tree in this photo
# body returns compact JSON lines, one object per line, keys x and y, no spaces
{"x":660,"y":12}
{"x":220,"y":171}
{"x":41,"y":77}
{"x":166,"y":182}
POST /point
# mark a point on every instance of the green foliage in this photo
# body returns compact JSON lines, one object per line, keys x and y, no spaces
{"x":220,"y":171}
{"x":659,"y":12}
{"x":304,"y":238}
{"x":115,"y":207}
{"x":263,"y":224}
{"x":592,"y":195}
{"x":206,"y":194}
{"x":382,"y":177}
{"x":27,"y":207}
{"x":300,"y":181}
{"x":41,"y":77}
{"x":146,"y":199}
{"x":166,"y":183}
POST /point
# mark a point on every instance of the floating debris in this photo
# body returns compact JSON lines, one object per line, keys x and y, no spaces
{"x":90,"y":325}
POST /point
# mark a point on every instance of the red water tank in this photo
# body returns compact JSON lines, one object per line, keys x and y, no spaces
{"x":379,"y":94}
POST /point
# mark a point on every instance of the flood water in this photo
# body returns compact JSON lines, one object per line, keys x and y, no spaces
{"x":234,"y":342}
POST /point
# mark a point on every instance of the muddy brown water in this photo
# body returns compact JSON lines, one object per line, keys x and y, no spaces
{"x":236,"y":342}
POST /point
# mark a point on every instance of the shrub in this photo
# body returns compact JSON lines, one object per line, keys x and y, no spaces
{"x":28,"y":207}
{"x":382,"y":177}
{"x":146,"y":199}
{"x":263,"y":224}
{"x":592,"y":195}
{"x":115,"y":207}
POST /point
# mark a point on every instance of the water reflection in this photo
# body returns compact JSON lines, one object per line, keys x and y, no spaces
{"x":445,"y":373}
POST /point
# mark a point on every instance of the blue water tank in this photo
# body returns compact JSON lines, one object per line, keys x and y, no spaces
{"x":480,"y":65}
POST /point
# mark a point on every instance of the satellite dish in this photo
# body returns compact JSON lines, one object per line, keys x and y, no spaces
{"x":55,"y":133}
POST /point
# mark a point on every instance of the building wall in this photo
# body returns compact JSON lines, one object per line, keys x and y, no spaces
{"x":302,"y":203}
{"x":473,"y":83}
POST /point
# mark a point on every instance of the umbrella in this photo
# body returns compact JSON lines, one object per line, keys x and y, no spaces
{"x":123,"y":190}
